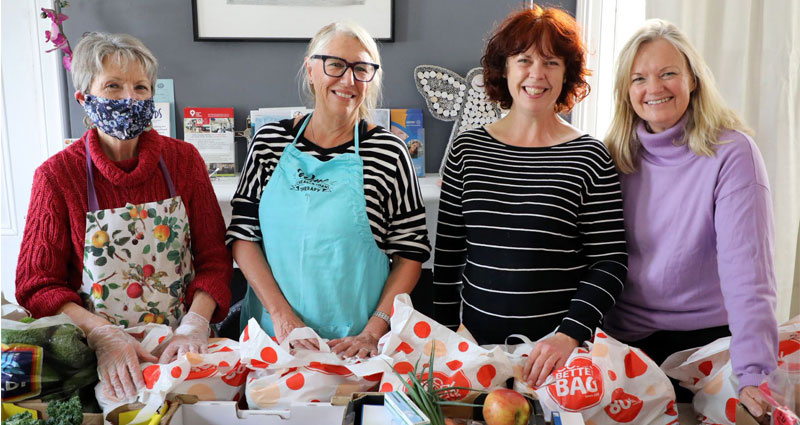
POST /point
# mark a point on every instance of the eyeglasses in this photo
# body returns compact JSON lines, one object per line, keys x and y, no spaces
{"x":336,"y":67}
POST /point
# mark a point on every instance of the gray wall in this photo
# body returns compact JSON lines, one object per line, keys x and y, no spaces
{"x":249,"y":75}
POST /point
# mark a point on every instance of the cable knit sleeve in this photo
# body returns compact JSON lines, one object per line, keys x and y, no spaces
{"x":213,"y":263}
{"x":43,"y":269}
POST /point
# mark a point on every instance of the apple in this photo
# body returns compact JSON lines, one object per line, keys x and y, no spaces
{"x":506,"y":407}
{"x":161,"y":232}
{"x":134,"y":290}
{"x":99,"y":239}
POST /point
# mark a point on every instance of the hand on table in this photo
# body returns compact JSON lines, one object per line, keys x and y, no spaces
{"x":118,"y":356}
{"x":190,"y":337}
{"x":285,"y":323}
{"x":547,"y":355}
{"x":752,"y":399}
{"x":363,"y":345}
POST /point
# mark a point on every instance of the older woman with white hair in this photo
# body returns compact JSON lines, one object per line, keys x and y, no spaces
{"x":123,"y":226}
{"x":323,"y":204}
{"x":698,"y":217}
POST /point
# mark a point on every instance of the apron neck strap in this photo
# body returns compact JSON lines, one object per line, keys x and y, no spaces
{"x":308,"y":119}
{"x":92,"y":193}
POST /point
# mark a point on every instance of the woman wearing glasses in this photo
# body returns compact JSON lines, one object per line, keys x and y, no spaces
{"x":324,"y":202}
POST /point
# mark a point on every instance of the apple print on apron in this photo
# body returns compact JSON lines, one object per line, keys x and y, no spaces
{"x":137,"y":259}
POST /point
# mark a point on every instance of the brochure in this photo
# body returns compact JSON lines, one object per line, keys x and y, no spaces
{"x":407,"y":125}
{"x":164,"y":93}
{"x":210,"y":130}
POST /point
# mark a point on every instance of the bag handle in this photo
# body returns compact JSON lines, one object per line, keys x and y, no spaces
{"x":305,"y":333}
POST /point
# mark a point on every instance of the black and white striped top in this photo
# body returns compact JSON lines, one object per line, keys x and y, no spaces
{"x":532,"y":237}
{"x":395,"y":208}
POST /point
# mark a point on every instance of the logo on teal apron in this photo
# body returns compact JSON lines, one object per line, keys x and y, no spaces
{"x":310,"y":183}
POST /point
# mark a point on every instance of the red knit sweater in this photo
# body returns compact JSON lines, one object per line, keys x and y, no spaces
{"x":49,"y":271}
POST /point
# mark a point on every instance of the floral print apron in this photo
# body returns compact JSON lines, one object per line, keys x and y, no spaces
{"x":137,"y":259}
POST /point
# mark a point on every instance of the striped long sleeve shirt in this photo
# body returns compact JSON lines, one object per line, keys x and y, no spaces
{"x":394,"y":203}
{"x":529,"y":239}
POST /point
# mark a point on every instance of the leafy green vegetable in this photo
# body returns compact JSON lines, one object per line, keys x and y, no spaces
{"x":24,"y":418}
{"x":66,"y":346}
{"x":69,"y":412}
{"x":27,"y":320}
{"x":36,"y":336}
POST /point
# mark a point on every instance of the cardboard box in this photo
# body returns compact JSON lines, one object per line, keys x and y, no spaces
{"x":352,"y":415}
{"x":226,"y":413}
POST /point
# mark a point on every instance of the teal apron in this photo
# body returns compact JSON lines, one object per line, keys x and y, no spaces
{"x":319,"y":244}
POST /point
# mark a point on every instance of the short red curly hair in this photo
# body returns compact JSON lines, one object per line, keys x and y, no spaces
{"x":552,"y":32}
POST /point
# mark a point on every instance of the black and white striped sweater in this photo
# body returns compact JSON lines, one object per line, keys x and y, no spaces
{"x":528,"y":239}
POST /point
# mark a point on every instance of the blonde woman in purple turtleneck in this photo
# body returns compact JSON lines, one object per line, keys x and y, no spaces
{"x":698,"y":215}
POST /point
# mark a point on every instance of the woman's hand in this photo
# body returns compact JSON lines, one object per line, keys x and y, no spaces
{"x":118,"y":356}
{"x":752,"y":399}
{"x":363,"y":345}
{"x":190,"y":337}
{"x":548,"y":355}
{"x":285,"y":323}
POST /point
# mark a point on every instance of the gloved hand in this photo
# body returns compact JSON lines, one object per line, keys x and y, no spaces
{"x":118,"y":357}
{"x":190,"y":337}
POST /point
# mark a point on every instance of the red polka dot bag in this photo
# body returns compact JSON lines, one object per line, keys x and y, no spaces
{"x":282,"y":375}
{"x":459,"y":362}
{"x":708,"y":373}
{"x":606,"y":381}
{"x":217,"y":374}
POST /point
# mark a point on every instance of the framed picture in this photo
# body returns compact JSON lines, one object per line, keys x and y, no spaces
{"x":286,"y":20}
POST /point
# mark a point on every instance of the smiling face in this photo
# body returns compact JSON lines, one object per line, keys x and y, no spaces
{"x":661,"y":84}
{"x":120,"y":81}
{"x":534,"y":81}
{"x":338,"y":95}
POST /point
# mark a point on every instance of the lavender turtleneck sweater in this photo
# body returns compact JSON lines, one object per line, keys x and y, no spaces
{"x":700,"y":239}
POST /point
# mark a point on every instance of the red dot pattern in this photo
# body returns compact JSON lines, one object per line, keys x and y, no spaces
{"x":296,"y":381}
{"x":403,"y":367}
{"x":612,"y":375}
{"x":422,"y":329}
{"x":601,"y":335}
{"x":151,"y":374}
{"x":730,"y":409}
{"x":454,"y":364}
{"x":246,"y":335}
{"x":463,"y":346}
{"x":176,"y":372}
{"x":485,"y":375}
{"x":269,"y":355}
{"x":706,"y":367}
{"x":387,"y":387}
{"x":161,"y":339}
{"x":224,"y":364}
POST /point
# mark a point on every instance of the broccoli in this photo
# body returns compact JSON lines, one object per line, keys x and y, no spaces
{"x":24,"y":418}
{"x":69,"y":412}
{"x":66,"y":346}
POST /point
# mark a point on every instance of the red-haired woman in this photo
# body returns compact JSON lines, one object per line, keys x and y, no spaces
{"x":530,"y":235}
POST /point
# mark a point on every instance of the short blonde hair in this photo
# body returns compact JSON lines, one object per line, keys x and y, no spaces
{"x":321,"y":40}
{"x":95,"y":47}
{"x":708,"y":114}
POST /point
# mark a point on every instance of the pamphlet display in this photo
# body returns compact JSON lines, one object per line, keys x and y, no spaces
{"x":164,"y":117}
{"x":267,"y":115}
{"x":210,"y":130}
{"x":407,"y":125}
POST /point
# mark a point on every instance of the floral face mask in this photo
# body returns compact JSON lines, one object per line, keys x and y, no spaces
{"x":123,"y":119}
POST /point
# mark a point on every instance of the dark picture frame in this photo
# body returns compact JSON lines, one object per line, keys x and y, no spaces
{"x":294,"y":20}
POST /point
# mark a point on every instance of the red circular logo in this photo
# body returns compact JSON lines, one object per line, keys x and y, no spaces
{"x":578,"y":385}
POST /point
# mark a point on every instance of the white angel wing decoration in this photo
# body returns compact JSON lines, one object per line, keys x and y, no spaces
{"x":451,"y":97}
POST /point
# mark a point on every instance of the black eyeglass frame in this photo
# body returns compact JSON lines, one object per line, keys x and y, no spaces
{"x":347,"y":65}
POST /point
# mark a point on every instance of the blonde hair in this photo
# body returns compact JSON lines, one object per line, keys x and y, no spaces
{"x":321,"y":40}
{"x":95,"y":47}
{"x":707,"y":112}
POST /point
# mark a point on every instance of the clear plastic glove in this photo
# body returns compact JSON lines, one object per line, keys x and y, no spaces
{"x":190,"y":337}
{"x":118,"y":356}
